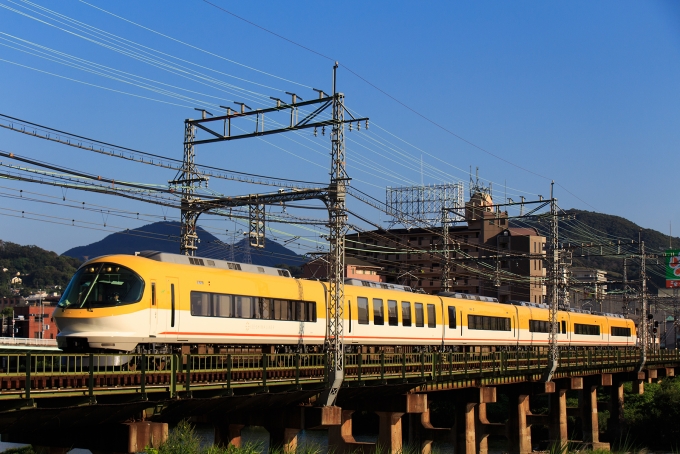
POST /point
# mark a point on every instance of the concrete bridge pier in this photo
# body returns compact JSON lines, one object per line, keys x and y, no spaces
{"x":616,"y":422}
{"x":284,"y":438}
{"x":228,"y":434}
{"x":423,"y":432}
{"x":558,"y":411}
{"x":389,"y":431}
{"x":129,"y":437}
{"x":470,"y":429}
{"x":342,"y":441}
{"x":389,"y":411}
{"x":588,"y":404}
{"x":283,"y":425}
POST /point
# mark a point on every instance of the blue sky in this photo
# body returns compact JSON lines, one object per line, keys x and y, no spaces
{"x":585,"y":93}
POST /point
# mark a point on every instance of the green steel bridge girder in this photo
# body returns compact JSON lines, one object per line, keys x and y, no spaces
{"x":26,"y":378}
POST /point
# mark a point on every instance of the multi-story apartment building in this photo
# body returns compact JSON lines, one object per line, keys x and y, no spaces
{"x":488,"y":256}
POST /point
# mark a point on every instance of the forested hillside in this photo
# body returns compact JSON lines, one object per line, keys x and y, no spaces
{"x":39,"y":268}
{"x":613,"y":228}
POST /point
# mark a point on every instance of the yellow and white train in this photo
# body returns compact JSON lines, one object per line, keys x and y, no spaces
{"x":158,"y":301}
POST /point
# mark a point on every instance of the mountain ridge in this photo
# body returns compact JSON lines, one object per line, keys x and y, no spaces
{"x":164,"y":237}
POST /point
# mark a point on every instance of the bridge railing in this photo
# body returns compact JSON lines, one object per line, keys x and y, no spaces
{"x":23,"y":373}
{"x":28,"y":341}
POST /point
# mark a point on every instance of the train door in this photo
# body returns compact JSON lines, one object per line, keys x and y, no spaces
{"x":153,"y":310}
{"x":168,"y":316}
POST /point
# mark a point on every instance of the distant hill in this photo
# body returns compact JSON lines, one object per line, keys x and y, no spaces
{"x":164,"y":237}
{"x":655,"y":242}
{"x":611,"y":228}
{"x":38,"y":268}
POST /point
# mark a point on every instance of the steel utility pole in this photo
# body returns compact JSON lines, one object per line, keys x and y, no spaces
{"x":189,"y":179}
{"x":446,"y":252}
{"x":643,"y":317}
{"x":553,"y":283}
{"x":337,"y":225}
{"x":333,"y":196}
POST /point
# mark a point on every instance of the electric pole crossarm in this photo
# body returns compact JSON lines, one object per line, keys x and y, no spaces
{"x":326,"y":101}
{"x":296,"y":127}
{"x":208,"y":130}
{"x":264,"y":199}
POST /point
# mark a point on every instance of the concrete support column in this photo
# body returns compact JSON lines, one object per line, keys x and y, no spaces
{"x":519,"y":432}
{"x":146,"y":434}
{"x":423,"y":432}
{"x":284,"y":438}
{"x":228,"y":434}
{"x":389,"y":432}
{"x":465,"y":428}
{"x":615,"y":423}
{"x":558,"y":417}
{"x":481,"y":435}
{"x":341,"y":440}
{"x":588,"y":405}
{"x":639,"y":383}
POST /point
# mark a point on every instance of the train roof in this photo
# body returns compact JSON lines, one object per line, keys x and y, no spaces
{"x":468,"y":296}
{"x":382,"y":285}
{"x":179,"y":259}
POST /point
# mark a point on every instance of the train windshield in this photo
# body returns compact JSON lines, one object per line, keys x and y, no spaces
{"x":102,"y":285}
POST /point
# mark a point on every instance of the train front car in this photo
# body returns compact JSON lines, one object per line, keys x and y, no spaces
{"x":103,"y":308}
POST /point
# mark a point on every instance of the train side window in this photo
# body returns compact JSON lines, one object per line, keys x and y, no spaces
{"x":300,"y":311}
{"x":311,"y":312}
{"x":362,"y":310}
{"x":392,"y":313}
{"x":618,"y":331}
{"x":405,"y":313}
{"x":222,"y":306}
{"x":277,"y":309}
{"x":564,"y":327}
{"x":244,"y":307}
{"x":153,"y":293}
{"x":262,"y":309}
{"x":420,"y":317}
{"x":431,"y":316}
{"x":539,"y":326}
{"x":589,"y":330}
{"x":483,"y":322}
{"x":378,"y":312}
{"x":452,"y":317}
{"x":200,"y":304}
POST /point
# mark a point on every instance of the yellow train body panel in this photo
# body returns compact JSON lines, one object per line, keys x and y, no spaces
{"x":119,"y":302}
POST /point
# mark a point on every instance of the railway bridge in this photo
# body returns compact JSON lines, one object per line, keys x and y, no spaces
{"x":122,"y":403}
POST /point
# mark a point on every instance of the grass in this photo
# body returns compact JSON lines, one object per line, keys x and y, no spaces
{"x":184,"y":440}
